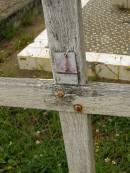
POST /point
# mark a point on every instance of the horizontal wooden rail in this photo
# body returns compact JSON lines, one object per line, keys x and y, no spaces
{"x":95,"y":98}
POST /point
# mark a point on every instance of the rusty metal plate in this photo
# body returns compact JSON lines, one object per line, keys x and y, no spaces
{"x":65,"y":63}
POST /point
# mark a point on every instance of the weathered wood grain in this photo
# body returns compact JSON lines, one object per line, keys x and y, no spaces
{"x":96,"y":98}
{"x":64,"y":27}
{"x":78,"y":141}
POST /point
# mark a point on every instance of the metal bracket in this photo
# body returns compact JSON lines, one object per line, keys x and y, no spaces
{"x":65,"y":63}
{"x":65,"y":68}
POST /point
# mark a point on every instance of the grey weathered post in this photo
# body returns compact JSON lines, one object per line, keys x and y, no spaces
{"x":63,"y":20}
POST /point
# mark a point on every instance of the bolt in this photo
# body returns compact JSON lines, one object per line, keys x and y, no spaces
{"x":78,"y":108}
{"x":60,"y":93}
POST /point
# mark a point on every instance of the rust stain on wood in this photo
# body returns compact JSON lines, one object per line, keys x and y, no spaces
{"x":65,"y":63}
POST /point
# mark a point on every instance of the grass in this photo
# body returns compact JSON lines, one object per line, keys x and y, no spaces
{"x":17,"y":44}
{"x":31,"y":142}
{"x":3,"y":55}
{"x":112,"y":144}
{"x":28,"y":17}
{"x":9,"y":31}
{"x":15,"y":38}
{"x":23,"y":41}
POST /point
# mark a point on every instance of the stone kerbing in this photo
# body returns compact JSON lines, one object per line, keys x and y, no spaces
{"x":13,"y":13}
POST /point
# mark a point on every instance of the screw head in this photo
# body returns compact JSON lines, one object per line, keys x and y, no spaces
{"x":78,"y":108}
{"x":60,"y":93}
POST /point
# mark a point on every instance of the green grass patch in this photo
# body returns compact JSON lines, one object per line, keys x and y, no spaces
{"x":112,"y":144}
{"x":28,"y":17}
{"x":23,"y":41}
{"x":9,"y":31}
{"x":30,"y":142}
{"x":3,"y":55}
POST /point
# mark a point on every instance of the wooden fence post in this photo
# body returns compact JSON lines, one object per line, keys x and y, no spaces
{"x":63,"y":20}
{"x":77,"y":133}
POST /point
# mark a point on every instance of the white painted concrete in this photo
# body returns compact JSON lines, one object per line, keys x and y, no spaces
{"x":84,"y":2}
{"x":111,"y":66}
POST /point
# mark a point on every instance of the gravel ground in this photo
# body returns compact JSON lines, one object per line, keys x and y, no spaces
{"x":106,"y":28}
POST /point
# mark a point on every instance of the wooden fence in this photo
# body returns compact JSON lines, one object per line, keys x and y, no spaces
{"x":69,"y":93}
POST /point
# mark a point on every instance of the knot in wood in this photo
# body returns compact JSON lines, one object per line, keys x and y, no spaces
{"x":78,"y":108}
{"x":60,"y":93}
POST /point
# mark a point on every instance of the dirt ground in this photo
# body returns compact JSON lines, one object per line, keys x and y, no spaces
{"x":9,"y":68}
